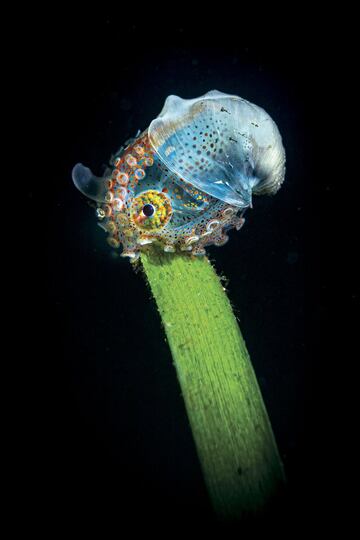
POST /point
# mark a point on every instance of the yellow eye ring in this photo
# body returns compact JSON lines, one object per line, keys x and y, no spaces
{"x":151,"y":210}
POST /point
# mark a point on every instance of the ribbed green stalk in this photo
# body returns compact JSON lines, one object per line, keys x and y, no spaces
{"x":229,"y":422}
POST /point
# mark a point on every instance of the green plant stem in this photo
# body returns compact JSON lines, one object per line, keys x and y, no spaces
{"x":229,"y":422}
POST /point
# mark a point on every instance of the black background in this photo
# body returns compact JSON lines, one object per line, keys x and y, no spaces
{"x":115,"y":441}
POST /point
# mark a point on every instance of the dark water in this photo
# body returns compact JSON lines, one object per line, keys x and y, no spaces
{"x":119,"y":445}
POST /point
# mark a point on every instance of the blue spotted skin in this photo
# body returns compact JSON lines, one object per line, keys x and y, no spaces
{"x":198,"y":166}
{"x":222,"y":144}
{"x":189,"y":204}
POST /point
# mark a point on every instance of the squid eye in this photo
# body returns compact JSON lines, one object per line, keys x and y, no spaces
{"x":148,"y":210}
{"x":151,"y":210}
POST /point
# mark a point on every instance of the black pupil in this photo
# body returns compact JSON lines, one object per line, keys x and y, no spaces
{"x":148,"y":210}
